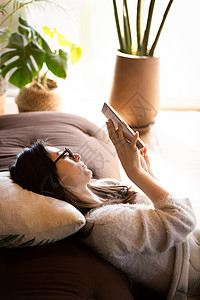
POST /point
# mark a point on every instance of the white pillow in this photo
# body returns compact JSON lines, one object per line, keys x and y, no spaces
{"x":30,"y":219}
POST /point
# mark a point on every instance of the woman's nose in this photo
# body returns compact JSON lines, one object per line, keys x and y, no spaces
{"x":77,"y":157}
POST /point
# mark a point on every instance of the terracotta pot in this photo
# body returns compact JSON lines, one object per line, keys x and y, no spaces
{"x":35,"y":97}
{"x":135,"y":90}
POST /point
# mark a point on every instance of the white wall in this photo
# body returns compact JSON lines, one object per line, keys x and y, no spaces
{"x":91,"y":24}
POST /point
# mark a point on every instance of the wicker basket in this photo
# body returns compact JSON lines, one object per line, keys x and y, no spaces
{"x":35,"y":97}
{"x":2,"y":103}
{"x":3,"y":88}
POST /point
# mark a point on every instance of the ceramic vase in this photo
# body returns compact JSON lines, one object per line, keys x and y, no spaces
{"x":135,"y":90}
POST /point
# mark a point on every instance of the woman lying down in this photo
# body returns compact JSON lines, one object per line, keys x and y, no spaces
{"x":151,"y":239}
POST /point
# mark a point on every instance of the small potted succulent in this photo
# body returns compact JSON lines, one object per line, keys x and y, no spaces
{"x":135,"y":87}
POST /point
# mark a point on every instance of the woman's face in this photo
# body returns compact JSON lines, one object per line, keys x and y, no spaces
{"x":72,"y":172}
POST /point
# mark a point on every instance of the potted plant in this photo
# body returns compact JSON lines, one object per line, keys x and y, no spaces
{"x":135,"y":87}
{"x":28,"y":53}
{"x":7,"y":9}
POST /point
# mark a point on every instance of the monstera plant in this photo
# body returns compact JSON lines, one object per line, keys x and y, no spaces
{"x":28,"y":53}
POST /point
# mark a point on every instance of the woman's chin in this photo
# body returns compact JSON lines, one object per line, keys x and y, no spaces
{"x":90,"y":173}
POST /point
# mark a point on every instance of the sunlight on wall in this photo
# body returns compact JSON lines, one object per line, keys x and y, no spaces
{"x":91,"y":24}
{"x":178,"y":49}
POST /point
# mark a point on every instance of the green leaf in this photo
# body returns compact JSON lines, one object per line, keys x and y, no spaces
{"x":4,"y":35}
{"x":27,"y":61}
{"x":10,"y":241}
{"x":62,"y":40}
{"x":2,"y":7}
{"x":57,"y":63}
{"x":27,"y":243}
{"x":25,"y":31}
{"x":121,"y":42}
{"x":17,"y":241}
{"x":75,"y":54}
{"x":7,"y":56}
{"x":7,"y":239}
{"x":45,"y":46}
{"x":15,"y":41}
{"x":20,"y":4}
{"x":37,"y":53}
{"x":33,"y":36}
{"x":148,"y":27}
{"x":3,"y":11}
{"x":138,"y":27}
{"x":23,"y":21}
{"x":29,"y":32}
{"x":60,"y":37}
{"x":48,"y":31}
{"x":21,"y":77}
{"x":32,"y":68}
{"x":10,"y":66}
{"x":127,"y":29}
{"x":151,"y":52}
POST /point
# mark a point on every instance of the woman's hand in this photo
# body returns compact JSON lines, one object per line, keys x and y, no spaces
{"x":145,"y":161}
{"x":131,"y":158}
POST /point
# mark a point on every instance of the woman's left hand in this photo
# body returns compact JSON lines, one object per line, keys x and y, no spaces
{"x":129,"y":156}
{"x":126,"y":148}
{"x":146,"y":161}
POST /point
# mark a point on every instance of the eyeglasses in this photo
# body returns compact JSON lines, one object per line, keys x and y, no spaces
{"x":67,"y":150}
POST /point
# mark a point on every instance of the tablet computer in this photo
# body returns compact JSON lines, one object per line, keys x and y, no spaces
{"x":110,"y":113}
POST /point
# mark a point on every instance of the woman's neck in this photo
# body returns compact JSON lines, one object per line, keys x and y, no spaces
{"x":86,"y":195}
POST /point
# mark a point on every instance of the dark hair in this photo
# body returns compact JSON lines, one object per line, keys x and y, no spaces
{"x":35,"y":171}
